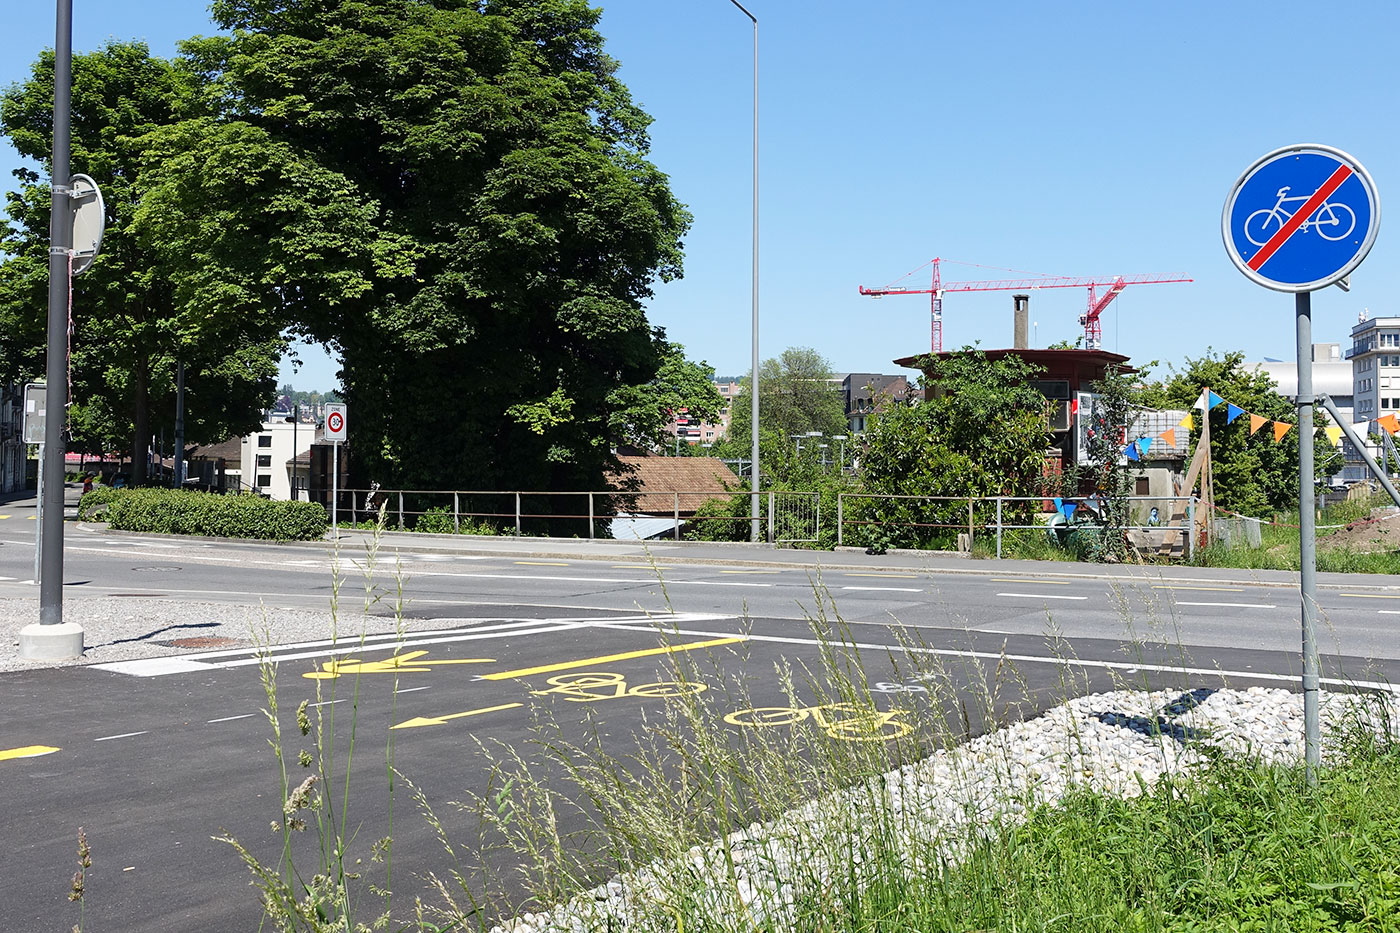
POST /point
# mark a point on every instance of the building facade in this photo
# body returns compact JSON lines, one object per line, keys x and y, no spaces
{"x":267,"y":459}
{"x":14,"y":455}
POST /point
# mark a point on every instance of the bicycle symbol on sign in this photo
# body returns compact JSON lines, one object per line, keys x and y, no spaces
{"x":591,"y":687}
{"x":846,"y":721}
{"x":1332,"y":221}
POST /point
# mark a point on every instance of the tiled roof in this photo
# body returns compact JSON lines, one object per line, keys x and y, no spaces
{"x":659,"y":479}
{"x":231,"y":449}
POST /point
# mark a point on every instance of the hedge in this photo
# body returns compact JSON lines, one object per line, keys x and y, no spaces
{"x":185,"y":512}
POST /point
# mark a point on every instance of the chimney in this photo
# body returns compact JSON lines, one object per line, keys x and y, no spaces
{"x":1021,"y":321}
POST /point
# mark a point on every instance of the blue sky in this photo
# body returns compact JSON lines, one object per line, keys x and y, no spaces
{"x":1086,"y":139}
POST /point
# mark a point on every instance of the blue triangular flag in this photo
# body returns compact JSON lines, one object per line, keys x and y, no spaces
{"x":1059,"y":505}
{"x":1144,"y":445}
{"x":1069,"y":510}
{"x":1132,"y":452}
{"x":1212,"y":400}
{"x":1232,"y":411}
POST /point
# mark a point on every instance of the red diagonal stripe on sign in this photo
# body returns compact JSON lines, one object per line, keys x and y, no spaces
{"x":1334,"y":182}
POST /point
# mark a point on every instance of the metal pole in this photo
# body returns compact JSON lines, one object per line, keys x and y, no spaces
{"x":1191,"y":528}
{"x":676,"y":513}
{"x":1307,"y":540}
{"x":456,"y":514}
{"x":753,"y":428}
{"x":60,"y":272}
{"x":296,"y":470}
{"x":517,"y":514}
{"x":335,"y":488}
{"x":998,"y":527}
{"x":180,"y":431}
{"x":400,"y":510}
{"x":839,"y":518}
{"x":39,"y":523}
{"x":590,"y":515}
{"x":772,"y":532}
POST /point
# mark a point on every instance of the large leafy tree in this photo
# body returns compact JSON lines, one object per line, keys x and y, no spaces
{"x":1253,"y":474}
{"x":797,"y":395}
{"x":642,"y":412}
{"x":484,"y":223}
{"x":130,"y":327}
{"x":980,"y":432}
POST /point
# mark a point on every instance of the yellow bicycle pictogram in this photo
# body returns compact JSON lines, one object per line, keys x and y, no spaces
{"x":590,"y":686}
{"x":849,"y":722}
{"x":408,"y":662}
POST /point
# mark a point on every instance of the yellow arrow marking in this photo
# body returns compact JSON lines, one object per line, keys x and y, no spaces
{"x":588,"y":662}
{"x":441,"y":720}
{"x":27,"y":751}
{"x":398,"y":663}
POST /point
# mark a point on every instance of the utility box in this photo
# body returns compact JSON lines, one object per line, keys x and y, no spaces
{"x":36,"y":400}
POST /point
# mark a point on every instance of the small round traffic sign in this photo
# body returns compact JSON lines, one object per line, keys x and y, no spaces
{"x":335,"y":422}
{"x":1301,"y":218}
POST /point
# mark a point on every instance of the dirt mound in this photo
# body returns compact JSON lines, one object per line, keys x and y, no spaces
{"x":1367,"y":535}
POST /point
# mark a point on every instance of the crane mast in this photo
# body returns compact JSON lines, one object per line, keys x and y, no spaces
{"x":1093,"y":331}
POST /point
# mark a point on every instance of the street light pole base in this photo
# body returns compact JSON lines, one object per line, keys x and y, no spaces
{"x":51,"y":642}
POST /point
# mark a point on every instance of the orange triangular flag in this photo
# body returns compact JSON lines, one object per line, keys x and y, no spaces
{"x":1255,"y":423}
{"x":1169,"y":435}
{"x":1280,"y":429}
{"x":1390,"y":423}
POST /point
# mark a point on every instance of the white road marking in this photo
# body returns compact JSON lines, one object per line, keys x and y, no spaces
{"x":892,"y":589}
{"x":325,"y":703}
{"x":1389,"y":612}
{"x":1230,"y":605}
{"x":230,"y":718}
{"x":1040,"y":596}
{"x":124,"y":735}
{"x":412,"y":689}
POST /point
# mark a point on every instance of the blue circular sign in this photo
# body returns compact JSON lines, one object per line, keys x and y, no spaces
{"x":1301,"y":218}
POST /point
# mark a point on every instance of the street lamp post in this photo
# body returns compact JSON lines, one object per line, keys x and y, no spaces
{"x":52,"y":638}
{"x":753,"y":386}
{"x":842,"y":439}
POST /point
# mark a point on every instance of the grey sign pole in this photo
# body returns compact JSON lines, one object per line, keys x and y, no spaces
{"x":52,"y":638}
{"x":1307,"y":539}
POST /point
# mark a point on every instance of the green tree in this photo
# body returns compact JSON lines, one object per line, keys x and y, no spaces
{"x":130,"y":327}
{"x":1253,"y":474}
{"x":1112,"y":416}
{"x":640,"y":413}
{"x":979,"y":432}
{"x":493,"y":224}
{"x":796,"y":396}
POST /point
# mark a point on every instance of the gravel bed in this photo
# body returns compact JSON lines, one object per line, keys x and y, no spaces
{"x":1116,"y":743}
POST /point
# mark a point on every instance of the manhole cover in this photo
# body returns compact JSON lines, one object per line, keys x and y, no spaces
{"x":153,"y":569}
{"x":204,"y":641}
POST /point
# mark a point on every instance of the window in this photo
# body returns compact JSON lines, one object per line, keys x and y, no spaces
{"x":264,"y":480}
{"x":1385,"y":403}
{"x":264,"y":460}
{"x":1140,"y":486}
{"x":264,"y":440}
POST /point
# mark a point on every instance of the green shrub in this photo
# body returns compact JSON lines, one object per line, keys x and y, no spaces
{"x":89,"y":506}
{"x":184,"y":512}
{"x":438,"y":521}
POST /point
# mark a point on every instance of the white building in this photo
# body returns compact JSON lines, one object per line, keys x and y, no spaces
{"x":266,"y":459}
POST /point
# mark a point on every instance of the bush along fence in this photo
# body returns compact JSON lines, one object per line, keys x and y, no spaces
{"x":183,"y":512}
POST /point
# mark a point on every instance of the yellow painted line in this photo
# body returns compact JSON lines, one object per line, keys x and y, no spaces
{"x":606,"y":658}
{"x":1368,"y":596}
{"x":26,"y":751}
{"x":441,"y":720}
{"x":1217,"y":589}
{"x":542,"y":563}
{"x":4,"y":516}
{"x":911,"y":576}
{"x":1037,"y":582}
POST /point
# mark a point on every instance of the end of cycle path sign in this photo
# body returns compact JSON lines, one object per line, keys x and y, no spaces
{"x":1301,"y":218}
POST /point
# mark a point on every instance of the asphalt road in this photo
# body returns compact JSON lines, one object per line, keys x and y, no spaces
{"x":155,"y":757}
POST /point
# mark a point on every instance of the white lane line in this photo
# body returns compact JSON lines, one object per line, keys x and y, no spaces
{"x":1229,"y":605}
{"x":594,"y":580}
{"x":229,"y":718}
{"x":1040,"y":596}
{"x":124,"y":735}
{"x":412,"y":689}
{"x":997,"y":656}
{"x":891,"y":589}
{"x":8,"y":579}
{"x":325,"y":703}
{"x":1388,"y":612}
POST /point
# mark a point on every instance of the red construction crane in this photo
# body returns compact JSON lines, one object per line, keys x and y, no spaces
{"x":1090,"y":318}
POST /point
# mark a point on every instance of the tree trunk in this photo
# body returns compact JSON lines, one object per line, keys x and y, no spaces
{"x":141,"y":421}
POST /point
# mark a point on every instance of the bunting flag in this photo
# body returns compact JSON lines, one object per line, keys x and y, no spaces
{"x":1280,"y":429}
{"x":1131,"y":451}
{"x":1334,"y":434}
{"x":1169,"y":435}
{"x":1144,"y":445}
{"x":1201,"y":401}
{"x":1390,"y":423}
{"x":1188,"y":422}
{"x":1069,"y":510}
{"x":1214,"y":399}
{"x":1255,"y":423}
{"x":1059,"y":505}
{"x":1232,"y":411}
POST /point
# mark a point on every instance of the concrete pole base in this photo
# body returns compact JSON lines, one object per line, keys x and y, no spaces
{"x":51,"y":642}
